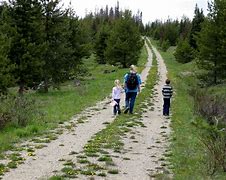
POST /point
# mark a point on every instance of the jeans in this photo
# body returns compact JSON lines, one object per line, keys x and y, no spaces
{"x":166,"y":106}
{"x":116,"y":107}
{"x":130,"y":100}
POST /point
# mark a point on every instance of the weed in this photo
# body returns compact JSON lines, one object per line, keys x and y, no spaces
{"x":105,"y":158}
{"x":12,"y":165}
{"x":69,"y":163}
{"x":113,"y":171}
{"x":30,"y":150}
{"x":56,"y":178}
{"x":102,"y":174}
{"x":83,"y":161}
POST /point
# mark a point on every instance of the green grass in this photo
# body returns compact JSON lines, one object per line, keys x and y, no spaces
{"x":188,"y":156}
{"x":58,"y":106}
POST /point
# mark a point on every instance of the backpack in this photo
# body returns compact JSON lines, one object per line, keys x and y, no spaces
{"x":132,"y":81}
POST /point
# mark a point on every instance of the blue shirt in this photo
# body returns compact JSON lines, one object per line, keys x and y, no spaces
{"x":139,"y":83}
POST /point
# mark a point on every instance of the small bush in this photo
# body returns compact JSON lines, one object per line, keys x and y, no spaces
{"x":165,"y":45}
{"x":18,"y":110}
{"x":211,"y":107}
{"x":184,"y":53}
{"x":212,"y":132}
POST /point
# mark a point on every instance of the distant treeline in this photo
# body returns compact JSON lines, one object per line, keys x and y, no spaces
{"x":201,"y":39}
{"x":44,"y":43}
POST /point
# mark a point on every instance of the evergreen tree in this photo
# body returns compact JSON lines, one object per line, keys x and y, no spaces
{"x":27,"y":43}
{"x":6,"y":67}
{"x":212,"y":42}
{"x":56,"y":52}
{"x":184,"y":52}
{"x":196,"y":26}
{"x":171,"y":32}
{"x":185,"y":27}
{"x":124,"y":43}
{"x":78,"y":44}
{"x":101,"y":44}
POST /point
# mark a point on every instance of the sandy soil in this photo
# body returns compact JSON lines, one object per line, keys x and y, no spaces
{"x":144,"y":155}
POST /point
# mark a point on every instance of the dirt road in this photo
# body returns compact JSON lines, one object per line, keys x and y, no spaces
{"x":144,"y":157}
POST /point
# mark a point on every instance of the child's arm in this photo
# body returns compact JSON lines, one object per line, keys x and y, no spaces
{"x":112,"y":94}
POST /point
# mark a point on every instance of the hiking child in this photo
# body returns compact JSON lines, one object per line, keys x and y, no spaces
{"x":116,"y":96}
{"x":132,"y":82}
{"x":167,"y":92}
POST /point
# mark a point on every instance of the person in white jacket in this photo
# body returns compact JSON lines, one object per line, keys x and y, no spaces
{"x":116,"y":96}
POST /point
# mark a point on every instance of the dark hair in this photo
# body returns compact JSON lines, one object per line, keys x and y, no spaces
{"x":167,"y":81}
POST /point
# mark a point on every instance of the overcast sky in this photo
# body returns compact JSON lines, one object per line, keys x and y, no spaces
{"x":151,"y":9}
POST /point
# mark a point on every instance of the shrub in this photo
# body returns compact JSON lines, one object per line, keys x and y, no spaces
{"x":212,"y":131}
{"x":165,"y":45}
{"x":18,"y":110}
{"x":211,"y":107}
{"x":184,"y":52}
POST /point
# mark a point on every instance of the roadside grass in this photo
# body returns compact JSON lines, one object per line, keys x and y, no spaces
{"x":189,"y":157}
{"x":109,"y":139}
{"x":58,"y":106}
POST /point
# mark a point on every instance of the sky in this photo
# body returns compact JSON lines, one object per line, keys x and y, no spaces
{"x":151,"y":9}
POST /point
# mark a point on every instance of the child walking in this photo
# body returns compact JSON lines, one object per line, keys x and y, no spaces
{"x":116,"y":96}
{"x":167,"y":92}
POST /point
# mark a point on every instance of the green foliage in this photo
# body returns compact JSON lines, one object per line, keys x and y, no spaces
{"x":169,"y":31}
{"x":6,"y":67}
{"x":211,"y":42}
{"x":212,"y":107}
{"x":165,"y":45}
{"x":100,"y":44}
{"x":213,"y":138}
{"x":17,"y":110}
{"x":196,"y":26}
{"x":27,"y":43}
{"x":124,"y":43}
{"x":184,"y":52}
{"x":185,"y":28}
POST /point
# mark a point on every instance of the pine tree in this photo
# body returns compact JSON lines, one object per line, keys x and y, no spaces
{"x":27,"y":43}
{"x":56,"y":52}
{"x":184,"y":52}
{"x":196,"y":26}
{"x":6,"y":67}
{"x":100,"y":44}
{"x":212,"y":42}
{"x":124,"y":43}
{"x":78,"y":44}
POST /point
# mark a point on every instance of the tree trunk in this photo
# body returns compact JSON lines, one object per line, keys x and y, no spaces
{"x":21,"y":88}
{"x":46,"y":85}
{"x":215,"y":72}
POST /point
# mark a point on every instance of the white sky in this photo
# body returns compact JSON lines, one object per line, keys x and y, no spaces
{"x":151,"y":9}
